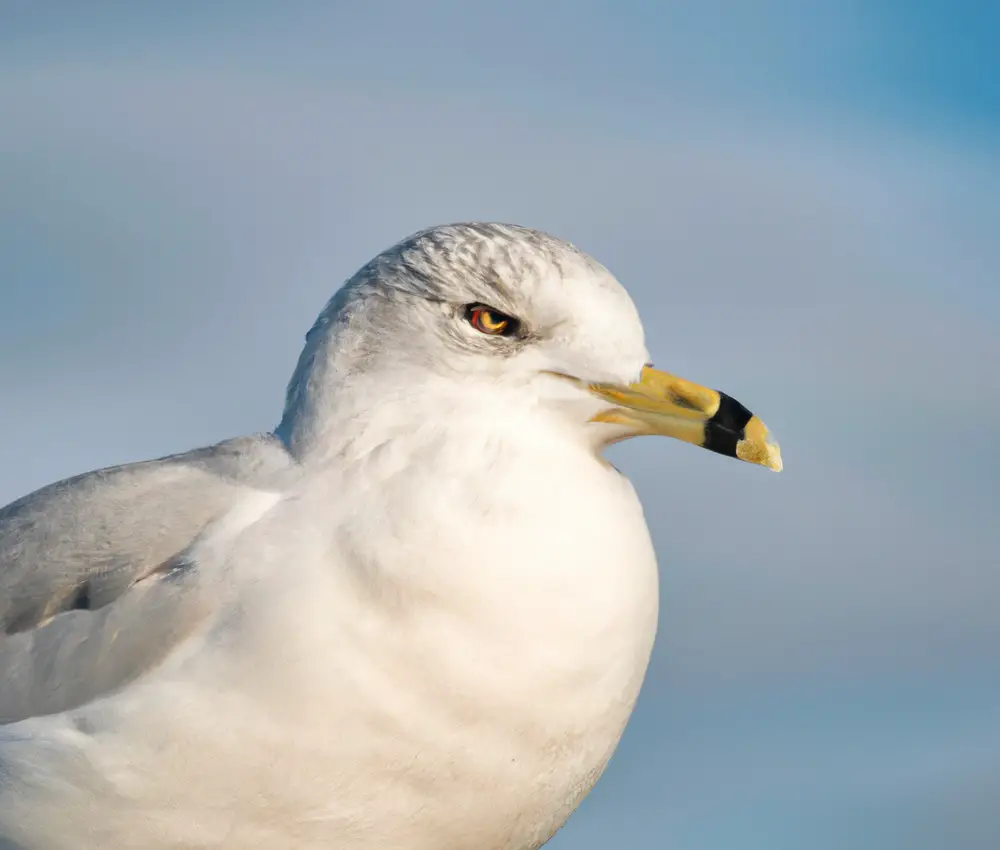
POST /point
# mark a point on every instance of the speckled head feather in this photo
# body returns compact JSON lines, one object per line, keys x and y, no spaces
{"x":402,"y":311}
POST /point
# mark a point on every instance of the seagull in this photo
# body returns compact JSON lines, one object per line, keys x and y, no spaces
{"x":415,"y":616}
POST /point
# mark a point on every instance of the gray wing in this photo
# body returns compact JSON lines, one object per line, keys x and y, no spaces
{"x":77,"y":559}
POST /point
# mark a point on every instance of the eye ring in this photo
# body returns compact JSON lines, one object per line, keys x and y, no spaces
{"x":491,"y":322}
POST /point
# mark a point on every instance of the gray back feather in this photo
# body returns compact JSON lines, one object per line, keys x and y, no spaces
{"x":78,"y":559}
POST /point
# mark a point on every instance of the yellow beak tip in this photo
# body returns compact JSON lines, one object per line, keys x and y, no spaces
{"x":759,"y":447}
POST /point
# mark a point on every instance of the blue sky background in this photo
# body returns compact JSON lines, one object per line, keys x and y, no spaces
{"x":804,"y":200}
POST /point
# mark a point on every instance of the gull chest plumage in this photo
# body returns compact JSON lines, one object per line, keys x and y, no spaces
{"x":417,"y":616}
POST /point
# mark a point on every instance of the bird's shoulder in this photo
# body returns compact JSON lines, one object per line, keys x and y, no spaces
{"x":83,"y":559}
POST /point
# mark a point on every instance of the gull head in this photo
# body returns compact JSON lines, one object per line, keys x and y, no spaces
{"x":501,"y":323}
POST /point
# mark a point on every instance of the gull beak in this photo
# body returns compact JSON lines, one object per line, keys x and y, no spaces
{"x":660,"y":403}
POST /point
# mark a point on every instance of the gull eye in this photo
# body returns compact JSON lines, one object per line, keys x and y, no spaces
{"x":489,"y":321}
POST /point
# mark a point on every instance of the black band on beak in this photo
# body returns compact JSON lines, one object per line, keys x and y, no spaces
{"x":724,"y":430}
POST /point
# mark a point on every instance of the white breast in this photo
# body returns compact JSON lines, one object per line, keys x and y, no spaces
{"x":425,"y":671}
